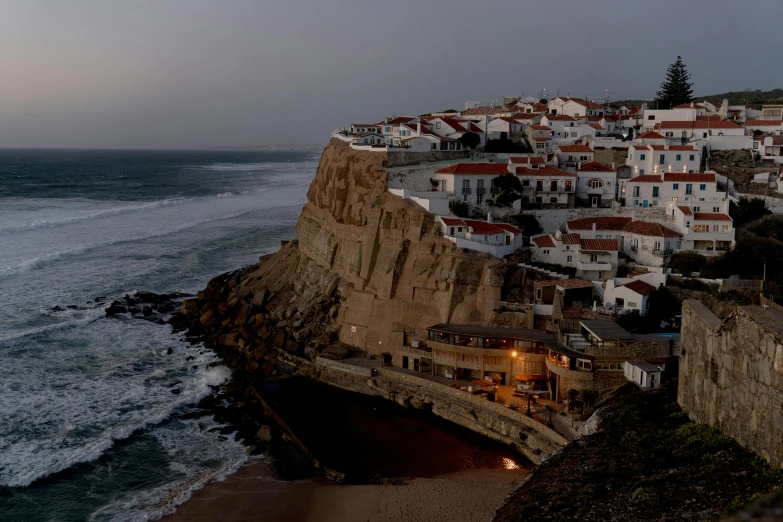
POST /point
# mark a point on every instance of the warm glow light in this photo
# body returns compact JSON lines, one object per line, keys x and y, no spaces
{"x":509,"y":464}
{"x":513,"y":354}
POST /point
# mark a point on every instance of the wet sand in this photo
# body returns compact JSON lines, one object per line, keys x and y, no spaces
{"x":252,"y":494}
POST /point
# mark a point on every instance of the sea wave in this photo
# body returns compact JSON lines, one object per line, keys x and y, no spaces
{"x":35,"y":263}
{"x":74,"y":318}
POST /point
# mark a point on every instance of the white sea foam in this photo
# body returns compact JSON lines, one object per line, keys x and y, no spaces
{"x":73,"y":318}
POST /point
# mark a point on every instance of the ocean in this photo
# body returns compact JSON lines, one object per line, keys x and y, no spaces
{"x":97,"y":414}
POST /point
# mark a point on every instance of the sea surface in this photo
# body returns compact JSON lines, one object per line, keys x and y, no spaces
{"x":96,"y":413}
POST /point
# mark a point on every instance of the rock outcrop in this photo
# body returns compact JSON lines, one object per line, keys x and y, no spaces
{"x":367,"y":268}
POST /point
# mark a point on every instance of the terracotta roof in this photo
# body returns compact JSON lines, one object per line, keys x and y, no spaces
{"x":542,"y":139}
{"x":482,"y":227}
{"x":594,"y":166}
{"x":688,"y":148}
{"x":639,"y":146}
{"x":544,"y":172}
{"x":544,"y":241}
{"x":539,"y":127}
{"x":526,"y":160}
{"x":396,"y":121}
{"x":699,"y":177}
{"x":646,"y":178}
{"x":650,"y":135}
{"x":567,"y":283}
{"x":582,"y":102}
{"x":707,"y":216}
{"x":686,"y":210}
{"x":365,"y":125}
{"x":560,"y":117}
{"x":601,"y":223}
{"x":525,"y":116}
{"x":646,"y":228}
{"x":599,"y":244}
{"x":452,"y":222}
{"x":475,"y":168}
{"x":570,"y":239}
{"x":640,"y":287}
{"x":763,"y":123}
{"x":509,"y":228}
{"x":595,"y":126}
{"x":709,"y":124}
{"x":575,"y":148}
{"x":489,"y":110}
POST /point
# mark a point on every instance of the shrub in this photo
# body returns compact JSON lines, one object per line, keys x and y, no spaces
{"x":528,"y":223}
{"x":687,"y":262}
{"x":460,"y":208}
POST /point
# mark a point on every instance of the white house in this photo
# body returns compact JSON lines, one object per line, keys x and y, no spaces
{"x":657,"y":190}
{"x":649,"y":244}
{"x":765,"y":126}
{"x":650,"y":138}
{"x":595,"y":184}
{"x":369,"y":138}
{"x":653,"y":117}
{"x":363,"y":128}
{"x":470,"y":182}
{"x":576,"y":107}
{"x":531,"y":161}
{"x":540,"y":137}
{"x":645,"y":374}
{"x":569,"y":156}
{"x":547,"y":186}
{"x":628,"y":296}
{"x":772,"y":112}
{"x":599,"y":227}
{"x":656,"y":159}
{"x":706,"y":227}
{"x":527,"y":107}
{"x":769,"y":148}
{"x":498,"y":239}
{"x":685,"y":131}
{"x":564,"y":128}
{"x":594,"y":259}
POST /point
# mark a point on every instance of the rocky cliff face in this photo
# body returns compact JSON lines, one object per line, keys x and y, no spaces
{"x":368,"y":268}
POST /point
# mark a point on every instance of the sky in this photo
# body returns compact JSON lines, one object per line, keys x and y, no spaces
{"x":205,"y":73}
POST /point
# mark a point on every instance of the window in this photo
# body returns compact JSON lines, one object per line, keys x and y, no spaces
{"x":459,"y":229}
{"x":641,"y":172}
{"x":539,"y":185}
{"x":545,"y":252}
{"x":669,"y":134}
{"x":703,"y":186}
{"x":630,"y":156}
{"x":598,"y":236}
{"x":553,"y":186}
{"x":704,"y":135}
{"x":675,"y":186}
{"x":688,"y":189}
{"x":595,"y":183}
{"x":679,"y":244}
{"x":387,"y":129}
{"x":451,"y":233}
{"x":642,"y":157}
{"x":697,"y":209}
{"x":725,"y":228}
{"x":553,"y":200}
{"x":526,"y":183}
{"x":716,"y":209}
{"x":465,"y":184}
{"x":678,"y":157}
{"x":573,"y":135}
{"x":538,"y":293}
{"x":657,"y":246}
{"x":539,"y":145}
{"x":693,"y":157}
{"x":568,"y":185}
{"x":655,"y":192}
{"x":636,"y":191}
{"x":569,"y":259}
{"x":662,"y":159}
{"x":635,"y":202}
{"x":690,"y":171}
{"x":583,"y":158}
{"x":650,"y":117}
{"x":582,"y":364}
{"x":437,"y":125}
{"x":715,"y":228}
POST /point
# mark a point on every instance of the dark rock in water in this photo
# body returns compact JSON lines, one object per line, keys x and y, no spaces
{"x":287,"y":462}
{"x":156,"y":320}
{"x":57,"y":309}
{"x":134,"y":310}
{"x":146,"y":311}
{"x":72,"y":307}
{"x":166,"y":308}
{"x":189,"y":358}
{"x":178,"y":322}
{"x":130,"y":300}
{"x":169,"y":351}
{"x":115,"y":308}
{"x":176,"y":391}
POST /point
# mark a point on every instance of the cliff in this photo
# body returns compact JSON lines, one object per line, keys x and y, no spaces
{"x":367,"y":268}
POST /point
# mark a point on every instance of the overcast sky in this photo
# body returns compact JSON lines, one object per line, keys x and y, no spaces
{"x":201,"y":73}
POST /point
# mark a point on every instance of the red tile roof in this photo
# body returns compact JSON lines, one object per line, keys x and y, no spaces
{"x":570,"y":239}
{"x":640,"y":287}
{"x":526,"y":160}
{"x":689,"y":105}
{"x":544,"y":241}
{"x":646,"y":228}
{"x":539,"y":127}
{"x":699,"y":177}
{"x":542,"y":139}
{"x":707,"y":216}
{"x":545,"y":171}
{"x":686,"y":210}
{"x":582,"y":102}
{"x":509,"y":228}
{"x":708,"y":124}
{"x":601,"y":223}
{"x":475,"y":168}
{"x":567,"y":283}
{"x":575,"y":148}
{"x":650,"y":135}
{"x":482,"y":227}
{"x":452,"y":222}
{"x":396,"y":121}
{"x":560,"y":117}
{"x":689,"y":148}
{"x":490,"y":110}
{"x":763,"y":123}
{"x":599,"y":244}
{"x":594,"y":166}
{"x":595,"y":126}
{"x":646,"y":178}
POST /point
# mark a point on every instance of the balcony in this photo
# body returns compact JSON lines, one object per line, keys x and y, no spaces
{"x":662,"y":252}
{"x":467,"y":190}
{"x":598,"y":266}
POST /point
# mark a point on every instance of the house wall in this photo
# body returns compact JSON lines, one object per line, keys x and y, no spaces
{"x":651,"y":164}
{"x":645,"y":246}
{"x":497,"y":251}
{"x":667,"y":191}
{"x":731,"y":375}
{"x":607,"y":192}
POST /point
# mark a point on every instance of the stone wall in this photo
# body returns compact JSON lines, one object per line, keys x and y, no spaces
{"x":403,"y":158}
{"x":551,"y":219}
{"x":530,"y":437}
{"x":731,"y":374}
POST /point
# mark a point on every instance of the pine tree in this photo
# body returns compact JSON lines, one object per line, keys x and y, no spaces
{"x":676,"y":89}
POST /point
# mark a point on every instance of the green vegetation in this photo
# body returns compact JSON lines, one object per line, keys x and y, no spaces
{"x":687,"y":262}
{"x":508,"y":189}
{"x":769,"y":226}
{"x":677,"y":88}
{"x":528,"y":223}
{"x":506,"y":146}
{"x":753,"y":98}
{"x":470,"y":140}
{"x":460,"y":208}
{"x":748,"y":209}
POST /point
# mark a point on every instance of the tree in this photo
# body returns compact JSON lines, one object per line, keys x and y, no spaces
{"x":470,"y":140}
{"x":748,"y":209}
{"x":528,"y":223}
{"x":687,"y":262}
{"x":676,"y":89}
{"x":507,"y":188}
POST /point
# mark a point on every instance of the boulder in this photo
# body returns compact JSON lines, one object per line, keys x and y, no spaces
{"x":264,"y":433}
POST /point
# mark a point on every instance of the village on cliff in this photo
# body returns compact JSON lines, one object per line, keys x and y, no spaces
{"x":607,"y":219}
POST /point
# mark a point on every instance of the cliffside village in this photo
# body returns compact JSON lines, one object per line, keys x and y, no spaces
{"x":611,"y":189}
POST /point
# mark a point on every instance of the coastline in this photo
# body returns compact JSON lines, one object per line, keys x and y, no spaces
{"x":252,"y":493}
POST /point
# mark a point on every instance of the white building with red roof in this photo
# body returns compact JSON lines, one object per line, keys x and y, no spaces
{"x":470,"y":182}
{"x":593,"y":259}
{"x":624,"y":296}
{"x":540,"y":138}
{"x":569,"y":156}
{"x":596,"y":184}
{"x":684,"y":131}
{"x":497,"y":239}
{"x":649,"y":244}
{"x":657,"y":159}
{"x":577,"y":107}
{"x":765,"y":126}
{"x":658,"y":190}
{"x":706,"y":227}
{"x":547,"y":186}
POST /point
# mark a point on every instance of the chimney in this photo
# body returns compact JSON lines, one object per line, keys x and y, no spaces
{"x":593,"y":227}
{"x":489,"y":217}
{"x":613,"y":166}
{"x":666,"y":146}
{"x":691,"y":105}
{"x":418,"y":126}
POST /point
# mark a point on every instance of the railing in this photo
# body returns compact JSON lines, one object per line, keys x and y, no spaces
{"x":662,"y":252}
{"x":481,"y":191}
{"x":769,"y":303}
{"x":467,"y":190}
{"x":752,"y":284}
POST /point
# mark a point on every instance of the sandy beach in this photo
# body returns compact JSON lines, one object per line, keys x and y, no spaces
{"x":253,"y":494}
